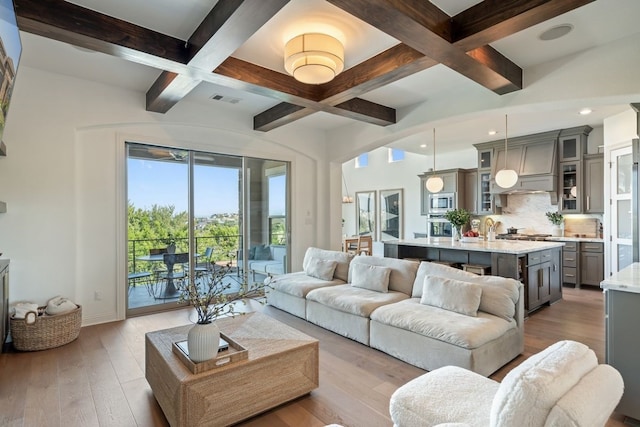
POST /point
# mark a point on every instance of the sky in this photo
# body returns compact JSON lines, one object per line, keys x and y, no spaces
{"x":215,"y":189}
{"x":9,"y":31}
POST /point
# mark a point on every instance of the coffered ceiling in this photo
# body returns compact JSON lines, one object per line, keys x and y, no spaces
{"x":397,"y":53}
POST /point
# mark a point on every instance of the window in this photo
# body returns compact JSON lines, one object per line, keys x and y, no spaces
{"x":395,"y":155}
{"x":362,"y":161}
{"x":277,"y":208}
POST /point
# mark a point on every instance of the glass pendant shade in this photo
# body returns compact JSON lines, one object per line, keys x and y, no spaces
{"x":434,"y":184}
{"x":506,"y":178}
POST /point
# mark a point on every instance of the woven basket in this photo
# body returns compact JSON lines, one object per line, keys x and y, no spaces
{"x":47,"y":331}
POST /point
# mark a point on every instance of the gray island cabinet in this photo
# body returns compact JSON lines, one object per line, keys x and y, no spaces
{"x":538,"y":265}
{"x":622,"y":319}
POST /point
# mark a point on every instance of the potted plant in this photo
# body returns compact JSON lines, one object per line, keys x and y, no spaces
{"x":458,"y":219}
{"x":212,"y":300}
{"x":556,"y":219}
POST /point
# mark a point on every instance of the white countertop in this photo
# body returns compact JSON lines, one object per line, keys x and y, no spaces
{"x":576,"y":239}
{"x":516,"y":247}
{"x":627,"y":280}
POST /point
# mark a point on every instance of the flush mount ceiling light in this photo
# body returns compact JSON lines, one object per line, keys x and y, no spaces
{"x":506,"y":178}
{"x":314,"y":58}
{"x":585,"y":111}
{"x":434,"y":184}
{"x":556,"y":32}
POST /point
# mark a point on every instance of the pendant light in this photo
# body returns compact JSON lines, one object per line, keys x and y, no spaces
{"x":347,"y":198}
{"x":506,"y":178}
{"x":434,"y":184}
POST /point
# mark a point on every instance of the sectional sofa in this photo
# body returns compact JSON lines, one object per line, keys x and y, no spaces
{"x":264,"y":259}
{"x":423,"y":313}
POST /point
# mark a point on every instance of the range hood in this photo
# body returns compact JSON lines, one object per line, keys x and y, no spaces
{"x":534,"y":158}
{"x":527,"y":185}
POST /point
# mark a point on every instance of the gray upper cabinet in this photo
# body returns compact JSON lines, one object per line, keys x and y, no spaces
{"x":593,"y":187}
{"x":454,"y":182}
{"x":581,"y":175}
{"x":573,"y":143}
{"x":471,"y":191}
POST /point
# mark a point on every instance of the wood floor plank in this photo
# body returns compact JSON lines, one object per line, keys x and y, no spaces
{"x":42,"y":400}
{"x":99,"y":378}
{"x":14,"y":369}
{"x":144,"y":406}
{"x":76,"y":401}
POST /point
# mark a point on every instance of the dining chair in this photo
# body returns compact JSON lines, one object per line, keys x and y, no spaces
{"x":202,"y":268}
{"x":170,"y":276}
{"x":350,"y":244}
{"x":365,"y":245}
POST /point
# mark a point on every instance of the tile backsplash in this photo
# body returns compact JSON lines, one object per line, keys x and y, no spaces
{"x":527,"y":212}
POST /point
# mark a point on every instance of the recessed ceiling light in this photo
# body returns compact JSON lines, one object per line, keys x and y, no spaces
{"x":585,"y":111}
{"x":492,"y":132}
{"x":423,"y":145}
{"x":556,"y":32}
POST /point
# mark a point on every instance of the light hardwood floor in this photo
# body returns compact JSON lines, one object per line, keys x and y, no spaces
{"x":98,"y":380}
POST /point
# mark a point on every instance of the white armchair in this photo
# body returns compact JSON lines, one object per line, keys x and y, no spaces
{"x":562,"y":385}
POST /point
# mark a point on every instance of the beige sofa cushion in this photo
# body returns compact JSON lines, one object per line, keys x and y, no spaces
{"x":499,"y":294}
{"x":444,"y":325}
{"x":322,"y":269}
{"x":299,"y":284}
{"x":343,"y":259}
{"x":450,"y":294}
{"x":531,"y":390}
{"x":403,"y":272}
{"x":370,"y":277}
{"x":349,"y":299}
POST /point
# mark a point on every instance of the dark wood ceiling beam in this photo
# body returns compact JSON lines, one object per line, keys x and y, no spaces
{"x":393,"y":64}
{"x":356,"y":108}
{"x":420,"y":24}
{"x":263,"y":81}
{"x":492,"y":20}
{"x":78,"y":26}
{"x":387,"y":67}
{"x":227,"y":27}
{"x":280,"y":115}
{"x":168,"y":90}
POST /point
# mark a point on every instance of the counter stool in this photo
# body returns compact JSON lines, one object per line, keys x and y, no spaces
{"x":481,"y":270}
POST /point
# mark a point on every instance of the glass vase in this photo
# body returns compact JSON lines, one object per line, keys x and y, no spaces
{"x":455,"y":234}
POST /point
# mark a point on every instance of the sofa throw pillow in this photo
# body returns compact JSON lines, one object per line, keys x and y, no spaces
{"x":263,"y":253}
{"x":322,"y":269}
{"x":450,"y":294}
{"x":372,"y":277}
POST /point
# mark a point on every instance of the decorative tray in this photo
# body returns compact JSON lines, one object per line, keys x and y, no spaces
{"x":233,"y":353}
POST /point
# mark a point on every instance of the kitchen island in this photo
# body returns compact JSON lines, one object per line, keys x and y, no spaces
{"x":622,"y":317}
{"x":538,"y":265}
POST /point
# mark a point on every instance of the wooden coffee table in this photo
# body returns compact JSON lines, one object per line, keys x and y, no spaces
{"x":282,"y":364}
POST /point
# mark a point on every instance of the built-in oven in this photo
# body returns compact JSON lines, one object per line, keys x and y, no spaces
{"x":438,"y":226}
{"x":441,"y":202}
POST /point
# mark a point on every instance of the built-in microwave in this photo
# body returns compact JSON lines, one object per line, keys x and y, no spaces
{"x":438,"y":226}
{"x":441,"y":202}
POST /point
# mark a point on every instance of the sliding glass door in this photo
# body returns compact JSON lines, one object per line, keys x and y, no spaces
{"x":207,"y":209}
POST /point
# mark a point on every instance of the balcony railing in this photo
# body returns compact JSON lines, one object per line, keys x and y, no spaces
{"x":224,"y":249}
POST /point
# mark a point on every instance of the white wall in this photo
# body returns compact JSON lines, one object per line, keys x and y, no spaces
{"x":63,"y":181}
{"x":382,"y":175}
